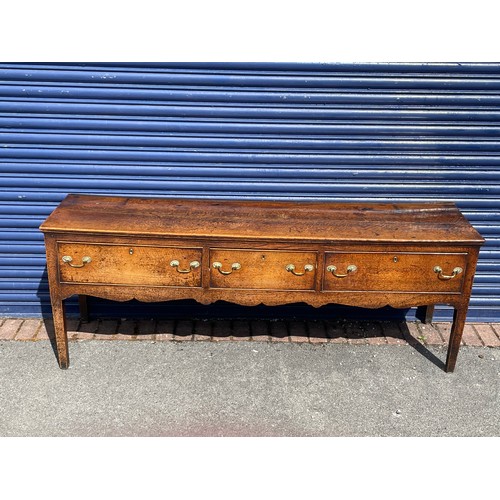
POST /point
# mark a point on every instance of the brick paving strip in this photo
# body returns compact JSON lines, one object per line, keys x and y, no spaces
{"x":293,"y":331}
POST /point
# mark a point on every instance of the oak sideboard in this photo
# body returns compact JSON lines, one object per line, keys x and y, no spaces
{"x":251,"y":252}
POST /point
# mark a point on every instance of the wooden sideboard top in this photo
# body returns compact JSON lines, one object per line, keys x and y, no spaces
{"x":299,"y":221}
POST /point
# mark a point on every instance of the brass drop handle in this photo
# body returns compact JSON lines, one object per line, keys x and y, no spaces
{"x":67,"y":259}
{"x":441,"y":276}
{"x":291,"y":269}
{"x":192,"y":265}
{"x":234,"y":267}
{"x":350,"y":269}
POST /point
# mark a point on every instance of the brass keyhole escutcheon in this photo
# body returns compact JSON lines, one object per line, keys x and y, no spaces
{"x":395,"y":259}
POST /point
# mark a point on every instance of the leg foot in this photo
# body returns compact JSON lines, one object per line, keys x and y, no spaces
{"x":425,"y":313}
{"x":64,"y":364}
{"x":457,"y":329}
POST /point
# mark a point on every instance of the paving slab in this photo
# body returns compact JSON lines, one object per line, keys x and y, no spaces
{"x":147,"y":388}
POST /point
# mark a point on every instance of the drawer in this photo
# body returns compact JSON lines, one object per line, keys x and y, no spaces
{"x":129,"y":264}
{"x":262,"y":269}
{"x":394,"y":272}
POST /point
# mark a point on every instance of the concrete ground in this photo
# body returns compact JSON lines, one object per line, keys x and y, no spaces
{"x":251,"y":388}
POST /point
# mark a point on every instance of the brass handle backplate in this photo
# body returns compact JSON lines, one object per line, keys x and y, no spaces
{"x":67,"y":259}
{"x":234,"y":267}
{"x":441,"y":276}
{"x":192,"y":265}
{"x":350,"y":269}
{"x":291,"y":269}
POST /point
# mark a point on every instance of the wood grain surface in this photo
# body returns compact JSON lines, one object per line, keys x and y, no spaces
{"x":354,"y":222}
{"x":129,"y":264}
{"x":396,"y":271}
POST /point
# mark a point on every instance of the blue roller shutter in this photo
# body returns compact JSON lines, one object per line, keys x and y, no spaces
{"x":353,"y":132}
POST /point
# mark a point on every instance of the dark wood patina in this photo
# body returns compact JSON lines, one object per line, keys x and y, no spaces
{"x":252,"y":252}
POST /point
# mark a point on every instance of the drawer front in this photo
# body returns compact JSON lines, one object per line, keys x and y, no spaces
{"x":395,"y":272}
{"x":262,"y":269}
{"x":129,"y":265}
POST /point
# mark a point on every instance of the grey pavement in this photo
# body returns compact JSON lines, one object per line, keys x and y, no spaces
{"x":142,"y":388}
